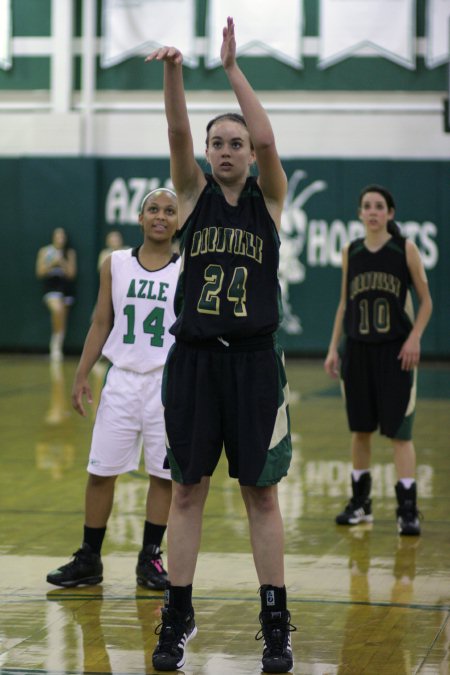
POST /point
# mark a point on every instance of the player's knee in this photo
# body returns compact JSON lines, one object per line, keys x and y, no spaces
{"x":261,"y":499}
{"x":187,"y":497}
{"x":96,"y":481}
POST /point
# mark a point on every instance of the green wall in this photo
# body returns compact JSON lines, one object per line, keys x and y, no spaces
{"x":89,"y":197}
{"x":38,"y":195}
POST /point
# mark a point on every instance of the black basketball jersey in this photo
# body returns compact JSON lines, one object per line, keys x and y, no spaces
{"x":379,"y":304}
{"x":228,"y":284}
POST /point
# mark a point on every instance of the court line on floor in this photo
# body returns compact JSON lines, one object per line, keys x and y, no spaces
{"x":65,"y":597}
{"x":434,"y":642}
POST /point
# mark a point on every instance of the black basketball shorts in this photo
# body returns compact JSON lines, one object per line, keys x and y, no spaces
{"x":233,"y":397}
{"x":378,"y":393}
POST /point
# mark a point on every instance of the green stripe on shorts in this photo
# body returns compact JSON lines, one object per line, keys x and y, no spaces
{"x":280,"y":447}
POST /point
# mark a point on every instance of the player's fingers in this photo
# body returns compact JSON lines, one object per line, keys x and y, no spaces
{"x":407,"y":362}
{"x":76,"y":404}
{"x":411,"y":360}
{"x":331,"y":368}
{"x":173,"y":54}
{"x":415,"y":358}
{"x":161,"y":53}
{"x":151,"y":56}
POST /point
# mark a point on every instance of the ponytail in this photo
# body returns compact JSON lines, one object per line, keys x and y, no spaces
{"x":394,"y":230}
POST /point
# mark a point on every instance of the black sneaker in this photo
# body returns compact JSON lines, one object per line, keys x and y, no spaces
{"x":354,"y":513}
{"x":150,"y":572}
{"x":276,"y":631}
{"x":407,"y":514}
{"x":174,"y":632}
{"x":85,"y":568}
{"x":408,"y":523}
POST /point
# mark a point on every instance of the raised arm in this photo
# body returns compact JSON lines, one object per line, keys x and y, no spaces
{"x":272,"y":178}
{"x":186,"y":174}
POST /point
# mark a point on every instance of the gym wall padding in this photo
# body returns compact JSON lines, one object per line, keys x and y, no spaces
{"x":92,"y":196}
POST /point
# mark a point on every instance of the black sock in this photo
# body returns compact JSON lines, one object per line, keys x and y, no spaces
{"x":94,"y":537}
{"x":273,"y":598}
{"x":153,"y":534}
{"x":179,"y":598}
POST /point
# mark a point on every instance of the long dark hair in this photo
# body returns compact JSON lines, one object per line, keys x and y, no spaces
{"x":392,"y":227}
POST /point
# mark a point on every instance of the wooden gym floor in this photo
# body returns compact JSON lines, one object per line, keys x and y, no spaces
{"x":365,"y":601}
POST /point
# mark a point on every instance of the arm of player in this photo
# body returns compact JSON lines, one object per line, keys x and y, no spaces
{"x":97,"y":335}
{"x":271,"y":176}
{"x":410,"y":351}
{"x":186,"y":173}
{"x":45,"y":261}
{"x":332,"y":360}
{"x":70,"y":265}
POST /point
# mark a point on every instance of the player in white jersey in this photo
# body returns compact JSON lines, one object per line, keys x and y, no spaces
{"x":130,"y":328}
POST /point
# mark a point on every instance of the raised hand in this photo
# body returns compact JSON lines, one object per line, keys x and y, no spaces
{"x":228,"y":49}
{"x":169,"y":54}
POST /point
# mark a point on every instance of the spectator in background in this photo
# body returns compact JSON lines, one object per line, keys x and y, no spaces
{"x":113,"y":242}
{"x":56,"y":265}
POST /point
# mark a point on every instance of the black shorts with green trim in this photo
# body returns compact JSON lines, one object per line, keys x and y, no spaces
{"x":231,"y":396}
{"x":378,"y":393}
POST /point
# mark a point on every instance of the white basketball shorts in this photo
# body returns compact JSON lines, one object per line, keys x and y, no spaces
{"x":130,"y":417}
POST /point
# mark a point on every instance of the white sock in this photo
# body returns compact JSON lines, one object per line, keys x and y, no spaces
{"x":56,"y":343}
{"x":357,"y":473}
{"x":407,"y":482}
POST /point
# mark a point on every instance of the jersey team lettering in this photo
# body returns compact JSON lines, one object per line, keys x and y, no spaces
{"x":146,"y":290}
{"x":229,"y":240}
{"x":375,"y":281}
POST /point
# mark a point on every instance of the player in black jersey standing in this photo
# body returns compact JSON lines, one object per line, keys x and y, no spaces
{"x":225,"y":379}
{"x":381,"y":352}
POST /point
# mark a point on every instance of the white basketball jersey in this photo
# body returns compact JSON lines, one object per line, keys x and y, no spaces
{"x":143,"y":313}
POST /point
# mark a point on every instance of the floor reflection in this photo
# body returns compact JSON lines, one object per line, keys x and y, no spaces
{"x":365,"y":601}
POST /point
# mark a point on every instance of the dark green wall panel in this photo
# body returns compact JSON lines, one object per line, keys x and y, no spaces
{"x":26,"y":74}
{"x":31,"y":17}
{"x":90,"y":197}
{"x":362,"y":74}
